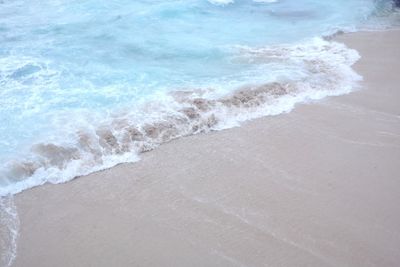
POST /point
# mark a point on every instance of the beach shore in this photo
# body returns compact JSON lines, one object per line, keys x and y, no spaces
{"x":319,"y":186}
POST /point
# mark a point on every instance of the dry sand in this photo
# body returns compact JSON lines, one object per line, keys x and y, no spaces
{"x":319,"y":186}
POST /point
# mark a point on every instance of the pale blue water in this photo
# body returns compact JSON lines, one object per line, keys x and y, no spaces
{"x":63,"y":61}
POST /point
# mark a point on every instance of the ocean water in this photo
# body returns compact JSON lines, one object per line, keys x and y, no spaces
{"x":85,"y":85}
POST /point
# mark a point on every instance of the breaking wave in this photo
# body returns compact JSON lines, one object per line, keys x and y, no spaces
{"x":319,"y":68}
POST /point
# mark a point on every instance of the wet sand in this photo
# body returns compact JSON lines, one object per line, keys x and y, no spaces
{"x":319,"y":186}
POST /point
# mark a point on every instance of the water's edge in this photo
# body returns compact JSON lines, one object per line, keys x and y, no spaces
{"x":196,"y":111}
{"x":9,"y":227}
{"x":125,"y":135}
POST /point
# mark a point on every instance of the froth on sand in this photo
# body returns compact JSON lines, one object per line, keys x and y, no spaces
{"x":318,"y":186}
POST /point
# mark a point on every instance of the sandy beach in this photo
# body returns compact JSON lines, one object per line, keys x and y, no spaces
{"x":319,"y":186}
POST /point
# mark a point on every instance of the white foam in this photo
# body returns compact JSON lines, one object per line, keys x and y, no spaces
{"x":265,"y":1}
{"x":308,"y":71}
{"x":221,"y":2}
{"x":226,"y":2}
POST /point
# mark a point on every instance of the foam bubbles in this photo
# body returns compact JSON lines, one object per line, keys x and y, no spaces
{"x":318,"y":69}
{"x":95,"y":83}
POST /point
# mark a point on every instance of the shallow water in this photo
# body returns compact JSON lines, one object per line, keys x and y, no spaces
{"x":9,"y":226}
{"x":87,"y":85}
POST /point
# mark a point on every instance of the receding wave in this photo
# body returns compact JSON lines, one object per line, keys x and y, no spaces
{"x":9,"y":225}
{"x":325,"y":71}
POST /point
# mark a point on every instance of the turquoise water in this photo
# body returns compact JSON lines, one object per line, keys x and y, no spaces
{"x":68,"y":67}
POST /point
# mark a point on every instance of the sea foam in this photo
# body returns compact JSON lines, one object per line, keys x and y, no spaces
{"x":318,"y":68}
{"x":98,"y":83}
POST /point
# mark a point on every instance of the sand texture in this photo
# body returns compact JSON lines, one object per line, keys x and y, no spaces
{"x":319,"y":186}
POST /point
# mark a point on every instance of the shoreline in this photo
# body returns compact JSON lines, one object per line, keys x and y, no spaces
{"x":297,"y":189}
{"x":122,"y":137}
